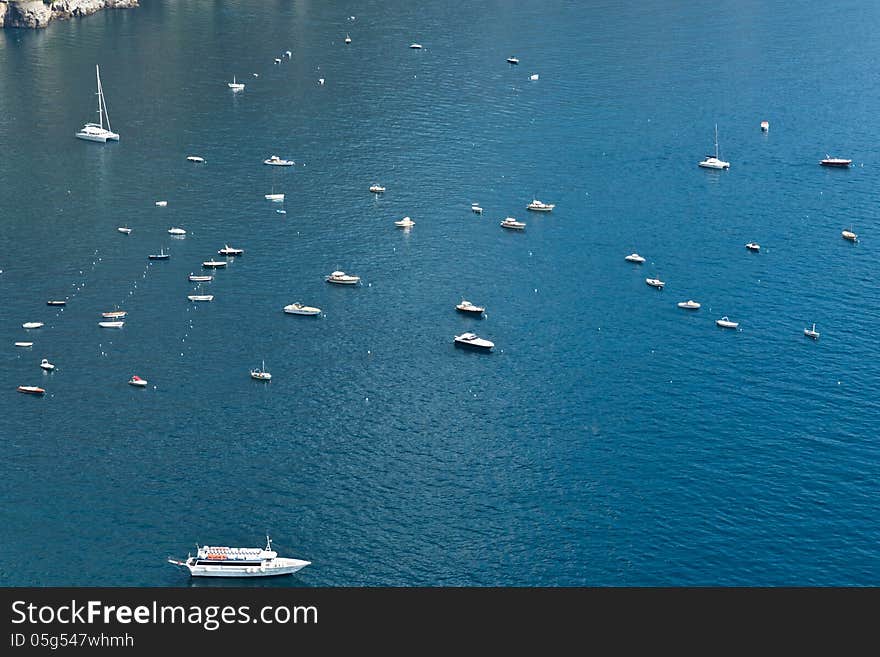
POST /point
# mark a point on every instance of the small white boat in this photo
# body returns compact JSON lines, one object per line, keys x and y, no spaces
{"x":276,"y":198}
{"x":341,"y":278}
{"x":214,"y":264}
{"x":195,"y":278}
{"x":512,"y":60}
{"x":137,"y":381}
{"x":533,"y":77}
{"x":201,"y":297}
{"x":476,"y":209}
{"x":260,"y":373}
{"x":277,"y":60}
{"x":46,"y":365}
{"x":161,"y":204}
{"x":230,"y":251}
{"x":812,"y":332}
{"x":288,"y":54}
{"x":415,"y":46}
{"x":56,"y":302}
{"x":114,"y":314}
{"x":347,"y":39}
{"x":32,"y":325}
{"x":24,"y":344}
{"x":114,"y":324}
{"x":690,"y":304}
{"x":635,"y":257}
{"x":725,"y":322}
{"x":406,"y":222}
{"x":513,"y":224}
{"x":159,"y":256}
{"x":124,"y":229}
{"x":539,"y":206}
{"x":211,"y":561}
{"x":765,"y":126}
{"x":753,"y":246}
{"x":320,"y":80}
{"x":835,"y":162}
{"x":655,"y":282}
{"x":714,"y":161}
{"x":274,"y":160}
{"x":377,"y":189}
{"x":473,"y":340}
{"x":849,"y":235}
{"x":467,"y":307}
{"x":235,"y":85}
{"x":31,"y":390}
{"x":195,"y":158}
{"x":176,"y":231}
{"x":299,"y":309}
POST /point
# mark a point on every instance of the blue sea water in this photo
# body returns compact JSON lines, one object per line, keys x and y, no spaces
{"x":611,"y":438}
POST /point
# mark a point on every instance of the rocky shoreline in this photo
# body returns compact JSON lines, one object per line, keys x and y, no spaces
{"x":39,"y":13}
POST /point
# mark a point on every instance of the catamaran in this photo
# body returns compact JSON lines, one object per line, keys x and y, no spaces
{"x":97,"y":131}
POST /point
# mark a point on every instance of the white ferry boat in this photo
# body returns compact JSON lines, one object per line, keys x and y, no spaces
{"x":212,"y":561}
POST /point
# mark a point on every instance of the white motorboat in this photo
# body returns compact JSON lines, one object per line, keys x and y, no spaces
{"x":539,"y":206}
{"x":512,"y":60}
{"x":812,"y":332}
{"x":347,"y":39}
{"x":176,"y":231}
{"x":46,"y":365}
{"x":277,"y":60}
{"x":406,"y":222}
{"x":849,"y":235}
{"x":513,"y":224}
{"x":97,"y":131}
{"x":213,"y":561}
{"x":277,"y":198}
{"x":476,"y":209}
{"x":467,"y":307}
{"x":31,"y":390}
{"x":137,"y":381}
{"x":201,"y":297}
{"x":195,"y":278}
{"x":474,"y":341}
{"x":415,"y":46}
{"x":765,"y":126}
{"x":161,"y":204}
{"x":32,"y":325}
{"x":115,"y":324}
{"x":533,"y":77}
{"x":753,"y":246}
{"x":24,"y":344}
{"x":230,"y":251}
{"x":690,"y":304}
{"x":114,"y":314}
{"x":274,"y":160}
{"x":159,"y":256}
{"x":635,"y":257}
{"x":260,"y":373}
{"x":714,"y":161}
{"x":214,"y":264}
{"x":725,"y":322}
{"x":299,"y":309}
{"x":320,"y":80}
{"x":377,"y":189}
{"x":235,"y":85}
{"x":124,"y":229}
{"x":195,"y":158}
{"x":341,"y":278}
{"x":288,"y":54}
{"x":835,"y":162}
{"x":56,"y":302}
{"x":655,"y":282}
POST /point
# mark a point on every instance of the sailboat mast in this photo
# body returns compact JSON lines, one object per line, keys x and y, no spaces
{"x":102,"y":104}
{"x":716,"y":141}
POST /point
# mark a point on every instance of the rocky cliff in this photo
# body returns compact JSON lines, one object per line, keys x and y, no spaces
{"x":39,"y":13}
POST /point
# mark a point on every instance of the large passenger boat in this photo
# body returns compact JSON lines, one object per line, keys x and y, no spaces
{"x":213,"y":561}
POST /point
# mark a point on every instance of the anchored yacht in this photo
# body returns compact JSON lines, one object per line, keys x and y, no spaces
{"x":212,"y":561}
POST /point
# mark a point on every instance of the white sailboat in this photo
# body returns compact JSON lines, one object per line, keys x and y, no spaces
{"x":97,"y":131}
{"x":714,"y":161}
{"x":235,"y":85}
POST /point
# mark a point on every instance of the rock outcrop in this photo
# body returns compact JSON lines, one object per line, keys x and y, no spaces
{"x":39,"y":13}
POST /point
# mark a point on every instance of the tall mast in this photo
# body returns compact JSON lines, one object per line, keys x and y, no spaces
{"x":716,"y":140}
{"x":102,"y":105}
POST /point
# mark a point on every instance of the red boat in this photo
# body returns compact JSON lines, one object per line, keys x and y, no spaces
{"x":31,"y":390}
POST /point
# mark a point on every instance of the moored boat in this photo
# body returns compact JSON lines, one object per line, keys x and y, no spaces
{"x":467,"y":307}
{"x":159,"y":256}
{"x":377,"y":189}
{"x":56,"y":302}
{"x":634,"y":257}
{"x":725,"y":322}
{"x":835,"y":162}
{"x":655,"y":282}
{"x":274,"y":160}
{"x":195,"y":278}
{"x":753,"y":246}
{"x":137,"y":381}
{"x":46,"y":365}
{"x":114,"y":314}
{"x":690,"y":304}
{"x":176,"y":231}
{"x":812,"y":332}
{"x":260,"y":373}
{"x":849,"y":235}
{"x":341,"y":278}
{"x":230,"y":251}
{"x":111,"y":324}
{"x":539,"y":206}
{"x":32,"y":325}
{"x":31,"y":390}
{"x":406,"y":222}
{"x":195,"y":158}
{"x":513,"y":224}
{"x":299,"y":309}
{"x":201,"y":297}
{"x":214,"y":264}
{"x":473,"y":341}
